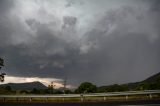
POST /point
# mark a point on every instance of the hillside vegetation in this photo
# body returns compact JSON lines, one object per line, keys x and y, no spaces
{"x":151,"y":83}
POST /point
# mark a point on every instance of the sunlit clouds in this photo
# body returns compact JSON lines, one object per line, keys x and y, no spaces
{"x":46,"y":81}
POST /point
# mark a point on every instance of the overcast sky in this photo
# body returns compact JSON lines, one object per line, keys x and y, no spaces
{"x":100,"y":41}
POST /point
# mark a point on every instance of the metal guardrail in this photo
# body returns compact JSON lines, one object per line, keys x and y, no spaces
{"x":82,"y":96}
{"x":90,"y":94}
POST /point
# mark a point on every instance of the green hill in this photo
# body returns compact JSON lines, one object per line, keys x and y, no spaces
{"x":153,"y":79}
{"x":151,"y":83}
{"x":25,"y":86}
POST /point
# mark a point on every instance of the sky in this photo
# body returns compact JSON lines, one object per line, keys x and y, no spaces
{"x":100,"y":41}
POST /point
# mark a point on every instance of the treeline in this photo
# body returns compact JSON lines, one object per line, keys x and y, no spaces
{"x":9,"y":90}
{"x":86,"y":87}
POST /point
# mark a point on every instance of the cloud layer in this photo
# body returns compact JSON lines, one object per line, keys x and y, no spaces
{"x":102,"y":41}
{"x":46,"y":81}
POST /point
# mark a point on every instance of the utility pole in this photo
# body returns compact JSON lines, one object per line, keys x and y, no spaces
{"x":51,"y":87}
{"x":64,"y":85}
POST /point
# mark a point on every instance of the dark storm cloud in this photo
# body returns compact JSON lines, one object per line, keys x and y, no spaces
{"x":155,"y":5}
{"x":73,"y":2}
{"x":126,"y":41}
{"x":5,"y":6}
{"x":118,"y":45}
{"x":69,"y":21}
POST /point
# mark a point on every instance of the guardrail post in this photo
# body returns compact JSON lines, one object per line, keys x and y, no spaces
{"x":126,"y":97}
{"x":46,"y":99}
{"x":17,"y":99}
{"x":4,"y":99}
{"x":104,"y":98}
{"x":82,"y":98}
{"x":30,"y":99}
{"x":150,"y":96}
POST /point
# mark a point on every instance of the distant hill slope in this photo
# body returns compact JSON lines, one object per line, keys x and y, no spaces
{"x":153,"y":78}
{"x":25,"y":86}
{"x":150,"y":83}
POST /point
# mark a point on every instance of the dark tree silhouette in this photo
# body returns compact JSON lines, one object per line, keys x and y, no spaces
{"x":2,"y":74}
{"x":8,"y":88}
{"x":86,"y":87}
{"x":1,"y":62}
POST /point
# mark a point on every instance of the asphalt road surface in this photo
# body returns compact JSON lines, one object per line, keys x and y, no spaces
{"x":117,"y":103}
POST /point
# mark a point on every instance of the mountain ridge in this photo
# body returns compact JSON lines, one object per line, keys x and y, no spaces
{"x":150,"y":83}
{"x":25,"y":86}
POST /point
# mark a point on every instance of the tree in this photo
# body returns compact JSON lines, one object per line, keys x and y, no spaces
{"x":2,"y":74}
{"x":117,"y":88}
{"x":8,"y":88}
{"x":24,"y":92}
{"x":35,"y":91}
{"x":86,"y":87}
{"x":68,"y":91}
{"x":1,"y":62}
{"x":143,"y":86}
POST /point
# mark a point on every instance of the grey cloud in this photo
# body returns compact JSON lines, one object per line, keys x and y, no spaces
{"x":6,"y":5}
{"x":155,"y":5}
{"x":121,"y":44}
{"x":69,"y":21}
{"x":127,"y":50}
{"x":73,"y":2}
